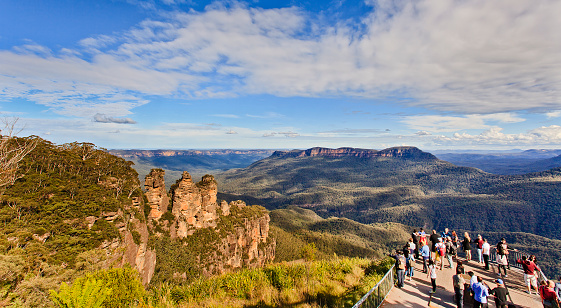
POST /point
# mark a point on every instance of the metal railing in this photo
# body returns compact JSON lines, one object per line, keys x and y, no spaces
{"x":376,"y":296}
{"x":512,"y":257}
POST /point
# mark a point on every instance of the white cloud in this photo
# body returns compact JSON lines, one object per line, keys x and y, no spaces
{"x":545,"y":135}
{"x":231,"y":132}
{"x":439,"y":123}
{"x":461,"y":56}
{"x":553,"y":114}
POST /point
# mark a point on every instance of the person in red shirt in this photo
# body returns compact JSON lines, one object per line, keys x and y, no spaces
{"x":548,"y":295}
{"x":530,"y":278}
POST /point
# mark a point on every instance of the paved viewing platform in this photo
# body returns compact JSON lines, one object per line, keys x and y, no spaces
{"x":415,"y":293}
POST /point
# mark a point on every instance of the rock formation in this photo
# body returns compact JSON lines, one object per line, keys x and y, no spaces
{"x":194,"y":205}
{"x":156,"y":193}
{"x":248,"y":246}
{"x":241,"y":232}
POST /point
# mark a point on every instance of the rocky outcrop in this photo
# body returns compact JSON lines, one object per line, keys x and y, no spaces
{"x":156,"y":193}
{"x":397,"y":152}
{"x":194,"y":205}
{"x":249,"y":245}
{"x":137,"y":254}
{"x":132,"y":246}
{"x":239,"y":235}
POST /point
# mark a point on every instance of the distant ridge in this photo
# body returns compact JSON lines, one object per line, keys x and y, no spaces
{"x":397,"y":152}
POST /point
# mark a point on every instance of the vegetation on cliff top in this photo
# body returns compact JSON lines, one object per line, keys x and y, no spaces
{"x":45,"y":238}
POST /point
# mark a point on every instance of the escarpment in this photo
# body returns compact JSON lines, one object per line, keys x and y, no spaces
{"x":397,"y":152}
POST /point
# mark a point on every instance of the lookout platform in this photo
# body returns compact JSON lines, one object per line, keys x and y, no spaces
{"x":415,"y":293}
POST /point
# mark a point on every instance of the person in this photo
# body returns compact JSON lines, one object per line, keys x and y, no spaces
{"x":450,"y":251}
{"x":411,"y":246}
{"x":422,"y":241}
{"x":425,"y":254}
{"x":408,"y":252}
{"x":486,"y":252}
{"x":479,"y":245}
{"x":547,"y":293}
{"x":500,"y":293}
{"x":480,"y":293}
{"x":454,"y":238}
{"x":415,"y":237}
{"x":472,"y":280}
{"x":460,"y":267}
{"x":400,"y":264}
{"x":446,"y":233}
{"x":440,"y":252}
{"x":530,"y":278}
{"x":434,"y":240}
{"x":502,"y":256}
{"x":534,"y":259}
{"x":432,"y":274}
{"x":502,"y":262}
{"x":466,"y":245}
{"x":558,"y":289}
{"x":458,"y":282}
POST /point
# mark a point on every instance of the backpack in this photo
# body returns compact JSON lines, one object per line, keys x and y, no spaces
{"x":451,"y":249}
{"x":442,"y":250}
{"x":400,"y":262}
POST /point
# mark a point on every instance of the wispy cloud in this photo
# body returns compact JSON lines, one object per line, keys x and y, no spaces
{"x":268,"y":115}
{"x":545,"y":135}
{"x":459,"y":56}
{"x":353,"y":131}
{"x":102,"y":118}
{"x":288,"y":134}
{"x":230,"y":116}
{"x":440,"y":123}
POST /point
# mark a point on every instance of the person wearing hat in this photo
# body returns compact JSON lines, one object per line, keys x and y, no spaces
{"x":500,"y":293}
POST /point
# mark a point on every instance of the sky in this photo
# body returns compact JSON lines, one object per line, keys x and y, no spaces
{"x":188,"y":74}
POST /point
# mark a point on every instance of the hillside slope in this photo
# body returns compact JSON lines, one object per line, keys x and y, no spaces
{"x":77,"y":209}
{"x":416,"y":190}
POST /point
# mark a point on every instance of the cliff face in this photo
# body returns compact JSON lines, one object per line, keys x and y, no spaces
{"x":194,"y":205}
{"x":156,"y":193}
{"x":137,"y":253}
{"x":398,"y":152}
{"x":132,"y":246}
{"x":239,"y":234}
{"x":247,"y":245}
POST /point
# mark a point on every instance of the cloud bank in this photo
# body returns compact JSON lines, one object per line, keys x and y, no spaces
{"x":473,"y":57}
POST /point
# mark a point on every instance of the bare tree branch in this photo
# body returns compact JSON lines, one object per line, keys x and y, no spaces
{"x":12,"y":151}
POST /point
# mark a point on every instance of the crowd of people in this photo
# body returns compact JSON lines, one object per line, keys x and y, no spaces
{"x":434,"y":248}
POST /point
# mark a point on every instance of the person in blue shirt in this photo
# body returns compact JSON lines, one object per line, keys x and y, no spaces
{"x":446,"y":233}
{"x":425,"y":254}
{"x":480,"y":293}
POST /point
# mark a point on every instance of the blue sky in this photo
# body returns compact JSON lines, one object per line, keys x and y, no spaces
{"x":284,"y":74}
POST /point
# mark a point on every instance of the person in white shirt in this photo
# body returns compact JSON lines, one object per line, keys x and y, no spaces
{"x":432,"y":274}
{"x":486,"y":251}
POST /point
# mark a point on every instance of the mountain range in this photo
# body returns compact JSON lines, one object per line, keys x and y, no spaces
{"x":403,"y":185}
